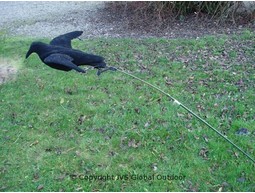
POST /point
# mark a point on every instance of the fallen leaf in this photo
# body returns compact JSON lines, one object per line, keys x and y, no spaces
{"x":61,"y":177}
{"x":81,"y":119}
{"x":191,"y":187}
{"x":180,"y":114}
{"x":242,"y":131}
{"x":200,"y":107}
{"x":40,"y":187}
{"x":58,"y":151}
{"x":154,"y":166}
{"x":133,"y":143}
{"x":78,"y":153}
{"x":204,"y":153}
{"x":78,"y":189}
{"x":137,"y":110}
{"x":205,"y":138}
{"x":62,"y":100}
{"x":68,"y":91}
{"x":70,"y":149}
{"x":49,"y":149}
{"x":147,"y":124}
{"x":242,"y":179}
{"x":3,"y":187}
{"x":225,"y":184}
{"x":34,"y":143}
{"x":112,"y":153}
{"x":36,"y":176}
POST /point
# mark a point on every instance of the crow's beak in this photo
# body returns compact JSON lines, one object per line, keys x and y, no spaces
{"x":28,"y":53}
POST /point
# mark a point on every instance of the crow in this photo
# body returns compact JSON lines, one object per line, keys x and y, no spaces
{"x":60,"y":55}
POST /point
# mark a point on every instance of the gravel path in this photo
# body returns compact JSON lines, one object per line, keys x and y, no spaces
{"x":48,"y":19}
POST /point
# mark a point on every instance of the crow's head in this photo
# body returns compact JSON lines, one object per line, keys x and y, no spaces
{"x":34,"y":47}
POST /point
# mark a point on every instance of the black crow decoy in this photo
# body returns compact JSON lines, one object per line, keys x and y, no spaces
{"x":60,"y":55}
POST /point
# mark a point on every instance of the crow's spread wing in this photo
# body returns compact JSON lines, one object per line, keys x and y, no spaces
{"x":65,"y":39}
{"x":62,"y":61}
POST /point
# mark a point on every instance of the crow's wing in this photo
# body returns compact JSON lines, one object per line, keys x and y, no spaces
{"x":62,"y":60}
{"x":65,"y":39}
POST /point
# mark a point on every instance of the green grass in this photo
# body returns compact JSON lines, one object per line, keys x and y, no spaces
{"x":58,"y":129}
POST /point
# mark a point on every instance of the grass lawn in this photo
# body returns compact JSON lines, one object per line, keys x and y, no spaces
{"x":72,"y":132}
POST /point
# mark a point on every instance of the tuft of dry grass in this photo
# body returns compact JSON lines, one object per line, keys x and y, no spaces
{"x":8,"y":68}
